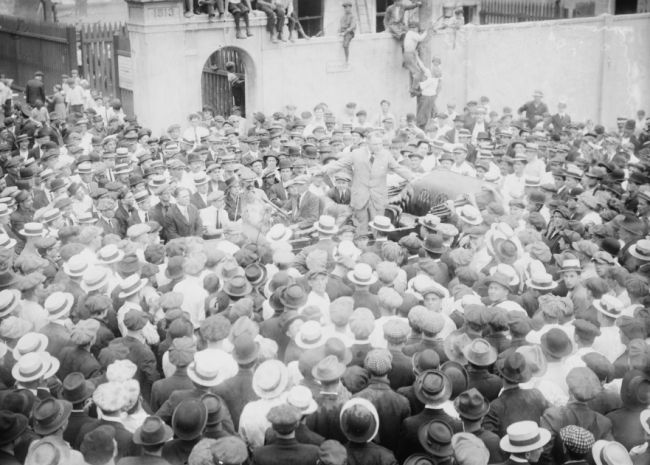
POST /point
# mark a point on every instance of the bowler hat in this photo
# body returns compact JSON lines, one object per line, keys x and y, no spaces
{"x":471,"y":405}
{"x":514,"y":368}
{"x":556,"y":343}
{"x":435,"y":438}
{"x":293,"y":296}
{"x":153,"y":432}
{"x":189,"y":419}
{"x":12,"y":426}
{"x":432,"y":386}
{"x":50,"y":414}
{"x":76,"y":389}
{"x":238,"y":286}
{"x":480,"y":352}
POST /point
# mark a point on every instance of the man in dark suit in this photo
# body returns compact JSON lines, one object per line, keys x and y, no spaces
{"x":560,"y":120}
{"x":181,"y":354}
{"x":126,"y":214}
{"x":107,"y":221}
{"x":481,"y":356}
{"x":284,"y":421}
{"x":139,"y":352}
{"x":514,"y":404}
{"x":200,"y":198}
{"x":109,"y":406}
{"x":77,"y":390}
{"x":305,"y":205}
{"x":433,"y":389}
{"x":183,"y":219}
{"x":35,"y":89}
{"x":204,"y":379}
{"x":392,"y":407}
{"x":237,"y":391}
{"x":401,"y":374}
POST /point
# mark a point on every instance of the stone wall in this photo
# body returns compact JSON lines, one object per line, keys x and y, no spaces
{"x":601,"y":66}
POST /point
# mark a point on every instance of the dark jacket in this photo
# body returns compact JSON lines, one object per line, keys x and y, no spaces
{"x":143,"y":460}
{"x":143,"y":357}
{"x":73,"y":359}
{"x":176,"y":225}
{"x":488,"y":384}
{"x":514,"y":405}
{"x":626,"y":427}
{"x":369,"y":454}
{"x":408,"y":431}
{"x":306,"y":211}
{"x":162,"y":389}
{"x":401,"y":372}
{"x":338,"y":287}
{"x":177,"y":451}
{"x":167,"y":409}
{"x":286,"y":452}
{"x":491,"y":441}
{"x":304,"y":435}
{"x":58,"y":337}
{"x":77,"y":420}
{"x":125,"y":445}
{"x":34,"y":90}
{"x":236,"y":392}
{"x":364,"y":298}
{"x":325,"y":421}
{"x":198,"y":201}
{"x":574,"y":413}
{"x":391,"y":407}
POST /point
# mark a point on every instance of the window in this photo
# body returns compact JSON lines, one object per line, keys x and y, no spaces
{"x":381,"y":6}
{"x":310,"y":15}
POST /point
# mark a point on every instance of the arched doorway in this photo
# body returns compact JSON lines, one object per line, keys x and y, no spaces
{"x":221,"y":88}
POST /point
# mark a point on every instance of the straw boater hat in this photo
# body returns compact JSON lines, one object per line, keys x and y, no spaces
{"x":130,"y":285}
{"x":9,"y":300}
{"x":203,"y":371}
{"x":34,"y":366}
{"x":326,"y":224}
{"x":610,"y":453}
{"x":30,"y":342}
{"x":32,"y":230}
{"x":570,"y":263}
{"x":524,"y":436}
{"x":94,"y":279}
{"x":109,"y":254}
{"x":58,"y":305}
{"x":278,"y":233}
{"x":7,"y":242}
{"x":310,"y":335}
{"x":641,"y":250}
{"x":609,"y":305}
{"x":362,"y":275}
{"x":270,"y":379}
{"x":541,"y":281}
{"x":381,"y":223}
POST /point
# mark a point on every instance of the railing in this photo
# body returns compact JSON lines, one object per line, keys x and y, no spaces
{"x":508,"y":11}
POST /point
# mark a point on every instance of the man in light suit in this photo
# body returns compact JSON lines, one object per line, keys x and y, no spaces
{"x":183,"y":218}
{"x":369,"y":165}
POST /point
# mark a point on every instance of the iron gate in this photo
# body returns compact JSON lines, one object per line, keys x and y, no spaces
{"x":214,"y":81}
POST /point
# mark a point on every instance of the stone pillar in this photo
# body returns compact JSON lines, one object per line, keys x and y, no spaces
{"x":157,"y":40}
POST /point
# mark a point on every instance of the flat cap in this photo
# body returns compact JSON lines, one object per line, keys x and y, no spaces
{"x":378,"y":362}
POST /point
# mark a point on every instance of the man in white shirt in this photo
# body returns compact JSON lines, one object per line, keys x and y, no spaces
{"x":429,"y":89}
{"x":460,"y":166}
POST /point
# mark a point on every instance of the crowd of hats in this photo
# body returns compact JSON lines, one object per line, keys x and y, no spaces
{"x":540,"y":281}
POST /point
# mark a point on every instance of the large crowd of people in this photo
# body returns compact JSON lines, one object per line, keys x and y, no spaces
{"x":262,"y":290}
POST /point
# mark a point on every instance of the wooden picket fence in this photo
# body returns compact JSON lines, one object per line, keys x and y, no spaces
{"x":98,"y":55}
{"x":508,"y":11}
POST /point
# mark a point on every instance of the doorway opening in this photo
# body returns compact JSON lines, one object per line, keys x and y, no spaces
{"x":224,"y":81}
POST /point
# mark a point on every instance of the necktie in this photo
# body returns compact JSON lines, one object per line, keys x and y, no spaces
{"x":372,"y":159}
{"x":218,"y":224}
{"x":196,"y":136}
